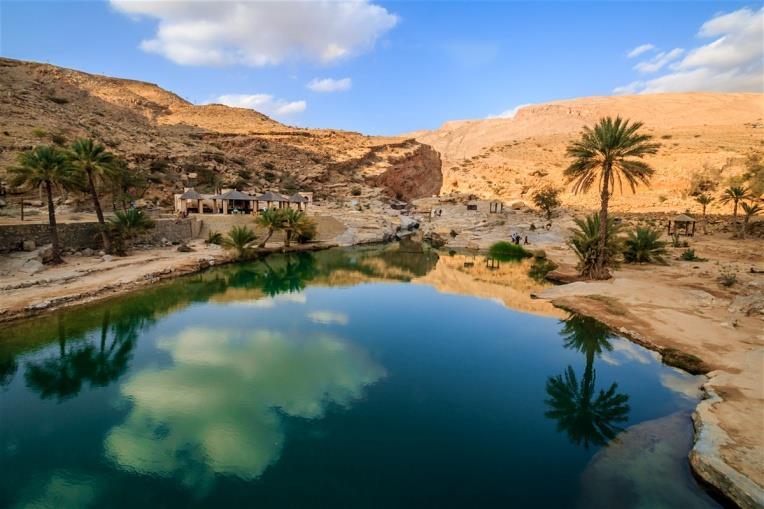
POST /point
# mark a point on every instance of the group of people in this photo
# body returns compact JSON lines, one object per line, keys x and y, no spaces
{"x":516,"y":239}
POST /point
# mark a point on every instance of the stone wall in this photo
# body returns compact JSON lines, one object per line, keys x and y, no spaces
{"x":81,"y":235}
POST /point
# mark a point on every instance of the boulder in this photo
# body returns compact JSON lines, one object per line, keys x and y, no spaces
{"x":46,"y":253}
{"x":408,"y":223}
{"x":87,"y":252}
{"x":749,"y":305}
{"x":107,"y":258}
{"x":184,"y":248}
{"x":32,"y":267}
{"x":516,"y":204}
{"x":435,"y":239}
{"x":29,"y":245}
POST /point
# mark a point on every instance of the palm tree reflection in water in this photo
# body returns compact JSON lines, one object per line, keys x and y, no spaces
{"x":588,"y":417}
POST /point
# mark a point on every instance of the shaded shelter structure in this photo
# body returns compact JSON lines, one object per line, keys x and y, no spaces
{"x":270,"y":198}
{"x":300,"y":200}
{"x":191,"y":201}
{"x":681,"y":224}
{"x":235,"y":202}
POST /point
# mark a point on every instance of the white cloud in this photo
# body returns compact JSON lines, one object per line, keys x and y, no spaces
{"x":264,"y":103}
{"x":731,"y":62}
{"x":205,"y":32}
{"x":510,"y":113}
{"x":330,"y":85}
{"x":659,"y":61}
{"x":644,"y":48}
{"x":328,"y":317}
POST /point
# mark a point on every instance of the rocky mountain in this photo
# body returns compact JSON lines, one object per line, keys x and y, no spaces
{"x":167,"y":139}
{"x":707,"y":137}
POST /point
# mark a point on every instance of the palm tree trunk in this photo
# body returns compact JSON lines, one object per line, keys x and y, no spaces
{"x":99,"y":213}
{"x":745,"y":227}
{"x":600,"y":268}
{"x":705,"y":221}
{"x":52,"y":222}
{"x":267,"y":238}
{"x":287,"y":238}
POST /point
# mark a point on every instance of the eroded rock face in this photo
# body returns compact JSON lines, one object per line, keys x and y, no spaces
{"x":416,"y":175}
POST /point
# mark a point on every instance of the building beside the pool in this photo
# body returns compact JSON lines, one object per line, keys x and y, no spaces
{"x":232,"y":201}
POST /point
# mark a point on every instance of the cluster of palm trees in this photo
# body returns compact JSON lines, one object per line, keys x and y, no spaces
{"x":737,"y":195}
{"x":295,"y":224}
{"x":79,"y":167}
{"x":611,"y":152}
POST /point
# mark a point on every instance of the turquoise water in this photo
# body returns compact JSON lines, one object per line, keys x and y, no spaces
{"x":331,"y":380}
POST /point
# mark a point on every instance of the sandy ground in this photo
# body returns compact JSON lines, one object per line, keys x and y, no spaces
{"x":680,"y":309}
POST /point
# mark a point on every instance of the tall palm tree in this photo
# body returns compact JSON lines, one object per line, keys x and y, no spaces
{"x":734,"y":194}
{"x":95,"y":163}
{"x":46,"y":167}
{"x":704,"y":200}
{"x":272,"y":220}
{"x":611,"y":150}
{"x":750,"y":210}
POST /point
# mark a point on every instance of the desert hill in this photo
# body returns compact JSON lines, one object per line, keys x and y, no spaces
{"x":166,"y":138}
{"x":702,"y":134}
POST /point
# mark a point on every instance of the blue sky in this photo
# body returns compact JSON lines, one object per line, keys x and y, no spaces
{"x":406,"y":65}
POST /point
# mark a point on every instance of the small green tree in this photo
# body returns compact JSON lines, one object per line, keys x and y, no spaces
{"x":585,"y":243}
{"x":295,"y":223}
{"x":240,"y":239}
{"x":750,"y":210}
{"x":704,"y":200}
{"x":643,"y":245}
{"x":547,"y":199}
{"x":46,"y":167}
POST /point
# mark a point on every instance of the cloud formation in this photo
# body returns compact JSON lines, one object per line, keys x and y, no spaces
{"x":202,"y":32}
{"x":731,"y":62}
{"x":659,"y":61}
{"x":510,"y":113}
{"x":264,"y":103}
{"x":218,"y":407}
{"x":644,"y":48}
{"x":330,"y":85}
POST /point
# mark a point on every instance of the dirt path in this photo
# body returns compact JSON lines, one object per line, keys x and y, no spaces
{"x":697,"y":323}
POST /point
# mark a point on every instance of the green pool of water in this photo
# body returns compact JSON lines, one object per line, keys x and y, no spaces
{"x":337,"y":379}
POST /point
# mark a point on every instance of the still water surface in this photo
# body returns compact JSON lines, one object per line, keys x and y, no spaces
{"x":347,"y":378}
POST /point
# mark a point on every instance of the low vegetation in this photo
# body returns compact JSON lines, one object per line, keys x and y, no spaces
{"x":643,"y":245}
{"x":241,"y":240}
{"x":585,"y":240}
{"x":125,"y":226}
{"x":688,"y":255}
{"x":215,"y":238}
{"x":503,"y":250}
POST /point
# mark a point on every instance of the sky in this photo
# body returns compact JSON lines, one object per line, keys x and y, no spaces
{"x":395,"y":67}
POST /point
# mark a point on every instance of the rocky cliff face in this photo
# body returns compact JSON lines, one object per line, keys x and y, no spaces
{"x":165,"y":139}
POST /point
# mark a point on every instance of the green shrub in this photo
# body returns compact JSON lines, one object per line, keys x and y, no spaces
{"x":503,"y":250}
{"x":727,"y":279}
{"x":688,"y":255}
{"x":643,"y":245}
{"x":240,"y":240}
{"x":547,"y":199}
{"x":540,"y":268}
{"x":215,"y":238}
{"x":585,"y":240}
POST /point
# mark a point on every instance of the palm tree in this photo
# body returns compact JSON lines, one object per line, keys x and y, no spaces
{"x":643,"y":245}
{"x":126,"y":225}
{"x":610,"y":150}
{"x":750,"y":209}
{"x":295,"y":223}
{"x":240,"y":239}
{"x":94,"y":162}
{"x":734,"y":194}
{"x":585,"y":243}
{"x":704,"y":200}
{"x":45,"y":167}
{"x":271,"y":219}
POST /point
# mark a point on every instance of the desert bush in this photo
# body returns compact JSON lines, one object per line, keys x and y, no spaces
{"x":704,"y":181}
{"x":727,"y":279}
{"x":643,"y":245}
{"x":214,"y":238}
{"x":504,"y":250}
{"x":124,"y":226}
{"x":540,"y":268}
{"x":689,"y":255}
